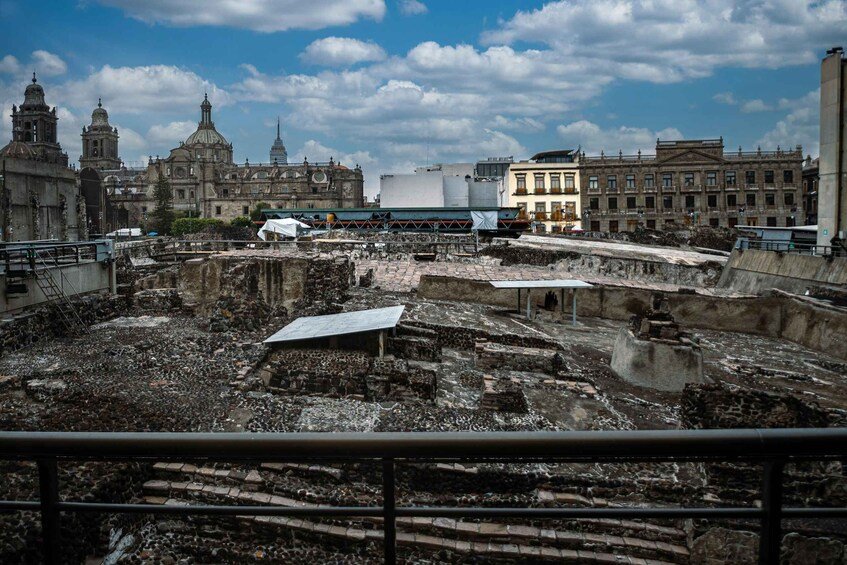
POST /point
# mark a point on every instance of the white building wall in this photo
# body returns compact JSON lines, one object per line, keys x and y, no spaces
{"x":455,"y":192}
{"x":484,"y":194}
{"x":421,"y":190}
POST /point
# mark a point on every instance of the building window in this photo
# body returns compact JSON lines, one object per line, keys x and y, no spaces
{"x":789,"y":199}
{"x":648,"y":181}
{"x":611,"y":181}
{"x":217,"y":210}
{"x":650,"y":202}
{"x":144,"y":209}
{"x":788,"y":176}
{"x":539,"y":182}
{"x":569,"y":182}
{"x":595,"y":225}
{"x":667,"y":180}
{"x":593,"y":182}
{"x":790,"y":221}
{"x":555,"y":181}
{"x":555,"y":207}
{"x":689,"y":201}
{"x":768,"y":177}
{"x":570,"y":211}
{"x":180,"y":194}
{"x":711,"y":178}
{"x":750,"y":177}
{"x":770,"y":199}
{"x":168,"y":171}
{"x":667,"y":202}
{"x":245,"y":210}
{"x":613,"y":226}
{"x":712,"y":200}
{"x":521,"y":182}
{"x":730,"y":178}
{"x":651,"y":224}
{"x":751,"y":199}
{"x":226,"y":192}
{"x":630,"y":202}
{"x":688,"y":179}
{"x":770,"y":221}
{"x":191,"y":170}
{"x":613,"y":203}
{"x":715,"y":222}
{"x":731,"y":201}
{"x":594,"y":203}
{"x":732,"y":222}
{"x":630,"y":181}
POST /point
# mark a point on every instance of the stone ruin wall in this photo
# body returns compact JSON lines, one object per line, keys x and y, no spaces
{"x":581,"y":264}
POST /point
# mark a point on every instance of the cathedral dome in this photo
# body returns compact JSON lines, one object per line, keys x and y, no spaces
{"x":99,"y":117}
{"x":17,"y":150}
{"x":206,"y":133}
{"x":34,"y":94}
{"x":206,"y":136}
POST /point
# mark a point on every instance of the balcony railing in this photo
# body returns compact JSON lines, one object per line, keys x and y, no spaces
{"x":540,"y":216}
{"x":772,"y":448}
{"x":520,"y":191}
{"x":540,"y":191}
{"x":670,"y":188}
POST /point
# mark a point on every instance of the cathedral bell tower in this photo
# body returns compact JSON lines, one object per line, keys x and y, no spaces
{"x":34,"y":123}
{"x":100,"y":142}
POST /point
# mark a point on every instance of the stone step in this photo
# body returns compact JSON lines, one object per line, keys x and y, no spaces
{"x":629,"y":545}
{"x":436,"y":543}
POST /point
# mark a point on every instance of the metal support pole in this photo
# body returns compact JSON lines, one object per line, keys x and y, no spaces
{"x":770,"y":538}
{"x":563,"y":304}
{"x":48,"y":483}
{"x":519,"y":301}
{"x":381,"y":344}
{"x":389,"y":512}
{"x":573,"y":313}
{"x":529,"y":304}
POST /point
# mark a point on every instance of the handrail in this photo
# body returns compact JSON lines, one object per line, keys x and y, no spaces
{"x":772,"y":447}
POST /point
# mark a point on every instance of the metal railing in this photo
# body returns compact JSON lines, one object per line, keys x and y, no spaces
{"x":791,"y":247}
{"x":19,"y":258}
{"x":771,"y":448}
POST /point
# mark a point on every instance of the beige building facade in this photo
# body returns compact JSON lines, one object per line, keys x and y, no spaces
{"x":546,"y":189}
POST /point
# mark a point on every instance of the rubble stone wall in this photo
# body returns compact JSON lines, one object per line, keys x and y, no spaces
{"x":756,"y":271}
{"x":277,"y":281}
{"x":43,"y":323}
{"x":490,"y":356}
{"x":704,"y":275}
{"x":808,"y":323}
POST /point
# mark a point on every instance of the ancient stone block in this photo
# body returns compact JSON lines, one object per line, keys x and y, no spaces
{"x":660,"y":364}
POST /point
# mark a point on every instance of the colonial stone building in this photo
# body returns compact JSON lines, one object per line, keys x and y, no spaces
{"x":207,"y":183}
{"x":692,"y":182}
{"x":39,"y":198}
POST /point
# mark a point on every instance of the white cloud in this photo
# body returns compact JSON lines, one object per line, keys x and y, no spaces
{"x":168,"y":136}
{"x":629,"y":140}
{"x":756,"y":105}
{"x":162,"y":88}
{"x":673,"y":40}
{"x":412,"y":7}
{"x":341,"y":51}
{"x":257,"y":15}
{"x":727,"y":98}
{"x":529,"y":125}
{"x":48,"y":64}
{"x":9,"y":64}
{"x":801,"y":126}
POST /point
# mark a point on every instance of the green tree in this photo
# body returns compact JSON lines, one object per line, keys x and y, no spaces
{"x":241,"y":222}
{"x":256,"y":214}
{"x":163,"y":215}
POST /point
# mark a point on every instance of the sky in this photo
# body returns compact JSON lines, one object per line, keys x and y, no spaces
{"x":395,"y":84}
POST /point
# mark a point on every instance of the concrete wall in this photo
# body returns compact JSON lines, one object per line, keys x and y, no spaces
{"x":754,"y":271}
{"x":777,"y":315}
{"x":421,"y":190}
{"x":455,"y":192}
{"x":73,"y":279}
{"x":832,"y":186}
{"x":483,"y":194}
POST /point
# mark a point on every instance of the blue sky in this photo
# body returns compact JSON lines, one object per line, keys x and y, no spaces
{"x":391,"y":84}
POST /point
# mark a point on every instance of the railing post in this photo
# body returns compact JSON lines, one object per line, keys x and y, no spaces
{"x":770,"y":538}
{"x":388,"y":512}
{"x":48,"y":482}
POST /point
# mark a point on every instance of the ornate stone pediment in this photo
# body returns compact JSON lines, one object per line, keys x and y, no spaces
{"x":690,"y":156}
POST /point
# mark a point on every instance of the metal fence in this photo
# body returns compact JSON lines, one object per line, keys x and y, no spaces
{"x":770,"y":448}
{"x":791,"y":247}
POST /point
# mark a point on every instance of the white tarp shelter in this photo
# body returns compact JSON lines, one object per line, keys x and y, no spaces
{"x":561,"y":284}
{"x":125,"y":232}
{"x":286,"y":227}
{"x":484,"y":219}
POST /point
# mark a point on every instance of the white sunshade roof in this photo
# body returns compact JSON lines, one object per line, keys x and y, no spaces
{"x":555,"y":283}
{"x":312,"y":327}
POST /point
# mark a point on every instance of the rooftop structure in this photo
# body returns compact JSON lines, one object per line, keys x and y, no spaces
{"x":316,"y":327}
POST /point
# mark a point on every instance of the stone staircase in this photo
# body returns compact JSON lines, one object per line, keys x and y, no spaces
{"x":572,"y":541}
